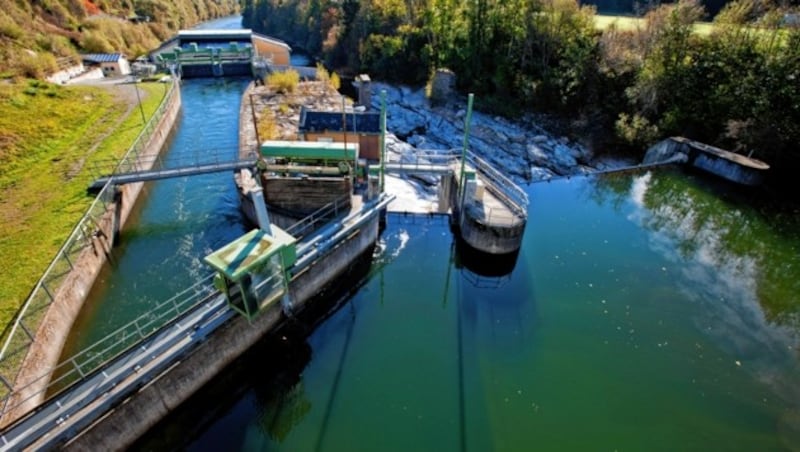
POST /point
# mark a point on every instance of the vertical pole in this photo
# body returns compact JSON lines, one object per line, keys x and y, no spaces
{"x":356,"y":144}
{"x":462,"y":177}
{"x":344,"y":128}
{"x":255,"y":121}
{"x":141,"y":110}
{"x":383,"y":137}
{"x":260,"y":206}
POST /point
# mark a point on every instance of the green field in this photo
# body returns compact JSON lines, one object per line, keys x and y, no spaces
{"x":627,"y":23}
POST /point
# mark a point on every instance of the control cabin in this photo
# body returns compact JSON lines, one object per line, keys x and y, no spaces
{"x":253,"y":270}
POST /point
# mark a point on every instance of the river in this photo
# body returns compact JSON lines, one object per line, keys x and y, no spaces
{"x":650,"y":310}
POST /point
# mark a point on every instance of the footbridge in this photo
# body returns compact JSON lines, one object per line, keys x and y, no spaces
{"x":192,"y":169}
{"x":504,"y":194}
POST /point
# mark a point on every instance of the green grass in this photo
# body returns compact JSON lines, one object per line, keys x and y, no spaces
{"x":50,"y":135}
{"x":629,"y":23}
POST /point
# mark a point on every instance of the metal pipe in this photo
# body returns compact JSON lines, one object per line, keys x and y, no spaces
{"x":260,"y":206}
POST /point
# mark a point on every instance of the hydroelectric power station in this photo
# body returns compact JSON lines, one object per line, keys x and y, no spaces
{"x":261,"y":278}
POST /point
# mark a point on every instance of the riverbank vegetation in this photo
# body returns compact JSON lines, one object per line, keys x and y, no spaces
{"x":735,"y":84}
{"x":51,"y":137}
{"x":37,"y":38}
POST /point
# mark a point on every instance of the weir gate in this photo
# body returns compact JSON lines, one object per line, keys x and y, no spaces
{"x":218,"y":53}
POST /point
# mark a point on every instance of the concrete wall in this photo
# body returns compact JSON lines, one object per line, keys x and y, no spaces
{"x":144,"y":409}
{"x":90,"y":75}
{"x":63,"y":76}
{"x":304,"y":195}
{"x":54,"y":329}
{"x":726,"y":164}
{"x":491,"y":238}
{"x":279,"y":53}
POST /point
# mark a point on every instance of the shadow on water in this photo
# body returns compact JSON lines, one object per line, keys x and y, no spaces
{"x":279,"y":400}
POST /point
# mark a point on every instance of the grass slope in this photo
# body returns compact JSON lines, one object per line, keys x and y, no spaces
{"x":50,"y":136}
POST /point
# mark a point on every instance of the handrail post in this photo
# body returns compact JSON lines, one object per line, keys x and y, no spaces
{"x":462,"y":177}
{"x":383,"y":140}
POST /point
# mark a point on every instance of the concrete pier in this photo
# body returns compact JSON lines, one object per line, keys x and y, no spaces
{"x":483,"y":220}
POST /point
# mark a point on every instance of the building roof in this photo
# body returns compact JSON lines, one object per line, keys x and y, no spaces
{"x":248,"y":252}
{"x":271,"y":40}
{"x":334,"y":121}
{"x":242,"y":34}
{"x":102,"y":57}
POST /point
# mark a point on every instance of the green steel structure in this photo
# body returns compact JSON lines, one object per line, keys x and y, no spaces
{"x":252,"y":271}
{"x":304,"y":156}
{"x":233,"y":58}
{"x":307,"y":151}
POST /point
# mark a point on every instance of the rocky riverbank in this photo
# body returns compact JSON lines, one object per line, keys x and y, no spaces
{"x":523,"y":151}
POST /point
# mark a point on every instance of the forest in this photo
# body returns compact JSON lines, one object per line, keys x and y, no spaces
{"x":735,"y":85}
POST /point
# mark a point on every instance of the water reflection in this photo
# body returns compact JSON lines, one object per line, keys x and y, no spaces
{"x":732,"y":264}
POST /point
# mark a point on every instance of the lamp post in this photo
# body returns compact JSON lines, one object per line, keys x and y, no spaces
{"x":141,"y":109}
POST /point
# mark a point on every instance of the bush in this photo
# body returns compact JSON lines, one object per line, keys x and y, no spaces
{"x":267,"y":127}
{"x":335,"y":81}
{"x":32,"y":65}
{"x":283,"y":82}
{"x":636,"y":130}
{"x":9,"y":29}
{"x":95,"y":43}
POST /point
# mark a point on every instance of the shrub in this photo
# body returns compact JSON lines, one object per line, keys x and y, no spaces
{"x":9,"y":29}
{"x":636,"y":130}
{"x":335,"y":81}
{"x":32,"y":65}
{"x":322,"y":74}
{"x":283,"y":82}
{"x":95,"y":43}
{"x":266,"y":126}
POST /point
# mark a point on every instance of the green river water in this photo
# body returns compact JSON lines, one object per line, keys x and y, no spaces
{"x":649,"y":311}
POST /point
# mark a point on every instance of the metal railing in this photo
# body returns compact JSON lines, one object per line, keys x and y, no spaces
{"x":426,"y":161}
{"x":106,"y":168}
{"x":156,"y":167}
{"x":99,"y":354}
{"x":501,"y":186}
{"x":322,"y":215}
{"x":504,"y":189}
{"x":109,"y":369}
{"x":21,"y":333}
